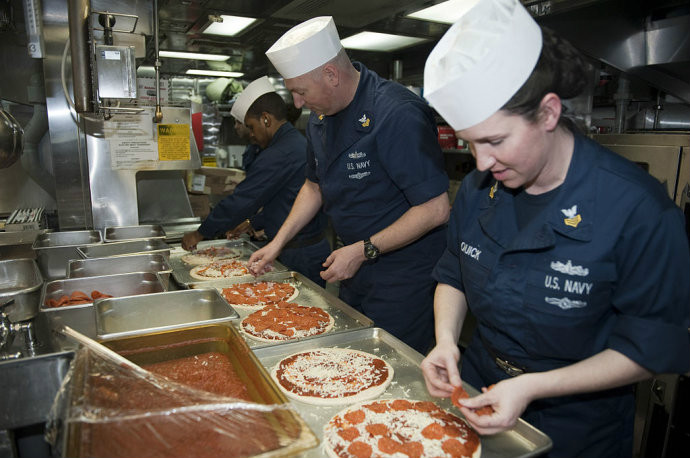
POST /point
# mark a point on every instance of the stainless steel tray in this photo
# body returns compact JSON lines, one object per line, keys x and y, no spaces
{"x":150,"y":262}
{"x":125,"y":249}
{"x":54,"y":249}
{"x":130,"y":233}
{"x":20,"y":280}
{"x":181,"y":270}
{"x":345,"y":317}
{"x":158,"y":312}
{"x":408,"y":382}
{"x":119,"y":285}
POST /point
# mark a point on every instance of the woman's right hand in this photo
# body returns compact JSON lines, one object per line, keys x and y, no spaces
{"x":440,"y":369}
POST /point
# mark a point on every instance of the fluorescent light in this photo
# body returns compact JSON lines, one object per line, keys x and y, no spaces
{"x":374,"y":41}
{"x":446,"y":12}
{"x":193,"y":71}
{"x":230,"y":26}
{"x":193,"y":55}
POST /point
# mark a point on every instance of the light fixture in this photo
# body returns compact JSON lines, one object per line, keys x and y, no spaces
{"x":374,"y":41}
{"x":193,"y":71}
{"x":228,"y":25}
{"x":445,"y":12}
{"x":193,"y":55}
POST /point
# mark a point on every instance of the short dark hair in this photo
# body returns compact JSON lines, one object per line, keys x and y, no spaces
{"x":270,"y":102}
{"x":561,"y":69}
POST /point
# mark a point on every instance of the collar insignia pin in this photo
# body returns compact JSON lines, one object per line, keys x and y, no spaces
{"x":364,"y":120}
{"x":493,"y":190}
{"x":572,"y":217}
{"x":320,"y":117}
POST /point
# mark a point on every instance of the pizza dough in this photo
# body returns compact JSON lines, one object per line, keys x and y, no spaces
{"x":398,"y":427}
{"x":331,"y":376}
{"x":286,"y":321}
{"x":219,"y":269}
{"x":257,"y":295}
{"x":209,"y":255}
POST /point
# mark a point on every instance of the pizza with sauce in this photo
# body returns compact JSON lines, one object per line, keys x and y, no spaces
{"x":257,"y":295}
{"x":286,"y":321}
{"x":210,"y":254}
{"x":398,"y":427}
{"x":331,"y":376}
{"x":219,"y":269}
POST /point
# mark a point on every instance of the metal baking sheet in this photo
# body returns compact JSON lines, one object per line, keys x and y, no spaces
{"x":125,"y":249}
{"x":181,"y":269}
{"x":130,"y":233}
{"x":118,"y":285}
{"x":150,"y":262}
{"x":157,"y":312}
{"x":522,"y":441}
{"x":310,"y":294}
{"x":181,"y":343}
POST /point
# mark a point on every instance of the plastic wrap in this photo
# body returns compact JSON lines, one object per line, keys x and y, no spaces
{"x":104,"y":410}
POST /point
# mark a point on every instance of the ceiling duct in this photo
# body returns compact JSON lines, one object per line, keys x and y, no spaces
{"x":645,"y":38}
{"x":352,"y":13}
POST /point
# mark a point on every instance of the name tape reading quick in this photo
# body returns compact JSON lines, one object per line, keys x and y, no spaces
{"x":470,"y":251}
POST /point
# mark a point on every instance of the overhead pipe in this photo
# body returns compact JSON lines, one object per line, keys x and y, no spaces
{"x":78,"y":12}
{"x":34,"y":131}
{"x":622,"y":98}
{"x":157,"y":64}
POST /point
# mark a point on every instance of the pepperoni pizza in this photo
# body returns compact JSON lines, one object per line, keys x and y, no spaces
{"x":286,"y":321}
{"x":398,"y":427}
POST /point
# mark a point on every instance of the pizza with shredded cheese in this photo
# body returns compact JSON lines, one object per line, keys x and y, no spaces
{"x":209,"y":255}
{"x":331,"y":376}
{"x":257,"y":295}
{"x":286,"y":321}
{"x":399,"y":427}
{"x":219,"y":269}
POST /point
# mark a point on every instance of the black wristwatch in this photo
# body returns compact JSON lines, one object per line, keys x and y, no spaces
{"x":370,"y":250}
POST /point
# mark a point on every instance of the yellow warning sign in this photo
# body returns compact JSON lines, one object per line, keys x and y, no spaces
{"x":173,"y":142}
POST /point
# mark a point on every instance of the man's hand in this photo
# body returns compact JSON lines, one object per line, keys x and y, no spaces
{"x":344,"y":262}
{"x":245,"y":227}
{"x":190,"y":239}
{"x":440,"y":370}
{"x":261,"y":261}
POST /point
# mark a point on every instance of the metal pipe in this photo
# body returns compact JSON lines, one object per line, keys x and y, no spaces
{"x":159,"y":113}
{"x":622,"y":97}
{"x":78,"y":14}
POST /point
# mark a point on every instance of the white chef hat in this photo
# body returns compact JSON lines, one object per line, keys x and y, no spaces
{"x":305,"y":47}
{"x":481,"y":61}
{"x":248,"y":96}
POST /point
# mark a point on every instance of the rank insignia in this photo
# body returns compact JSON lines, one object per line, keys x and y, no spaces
{"x":364,"y":120}
{"x":493,"y":190}
{"x":572,"y":217}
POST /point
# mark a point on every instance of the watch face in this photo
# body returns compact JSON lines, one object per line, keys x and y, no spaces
{"x":370,"y":251}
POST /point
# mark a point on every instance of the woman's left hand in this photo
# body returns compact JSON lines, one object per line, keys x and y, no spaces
{"x":509,"y":399}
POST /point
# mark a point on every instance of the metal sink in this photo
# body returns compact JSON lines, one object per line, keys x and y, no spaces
{"x":29,"y":384}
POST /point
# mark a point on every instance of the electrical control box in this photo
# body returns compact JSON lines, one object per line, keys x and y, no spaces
{"x":116,"y":71}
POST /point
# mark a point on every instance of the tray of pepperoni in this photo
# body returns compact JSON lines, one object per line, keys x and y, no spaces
{"x":251,"y":296}
{"x":214,"y":259}
{"x":72,"y":293}
{"x":408,"y":384}
{"x":208,"y":396}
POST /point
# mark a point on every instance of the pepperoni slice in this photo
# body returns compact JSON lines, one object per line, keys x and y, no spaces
{"x":412,"y":449}
{"x":355,"y":417}
{"x":401,"y":404}
{"x":378,"y":407}
{"x":377,"y":429}
{"x":460,"y":393}
{"x":434,"y":431}
{"x":454,"y":448}
{"x":349,"y":434}
{"x":389,"y":446}
{"x":360,"y":449}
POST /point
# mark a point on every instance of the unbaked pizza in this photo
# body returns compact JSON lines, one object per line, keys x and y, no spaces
{"x":331,"y":376}
{"x":210,"y":254}
{"x":257,"y":295}
{"x":398,"y":427}
{"x":219,"y":269}
{"x":286,"y":321}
